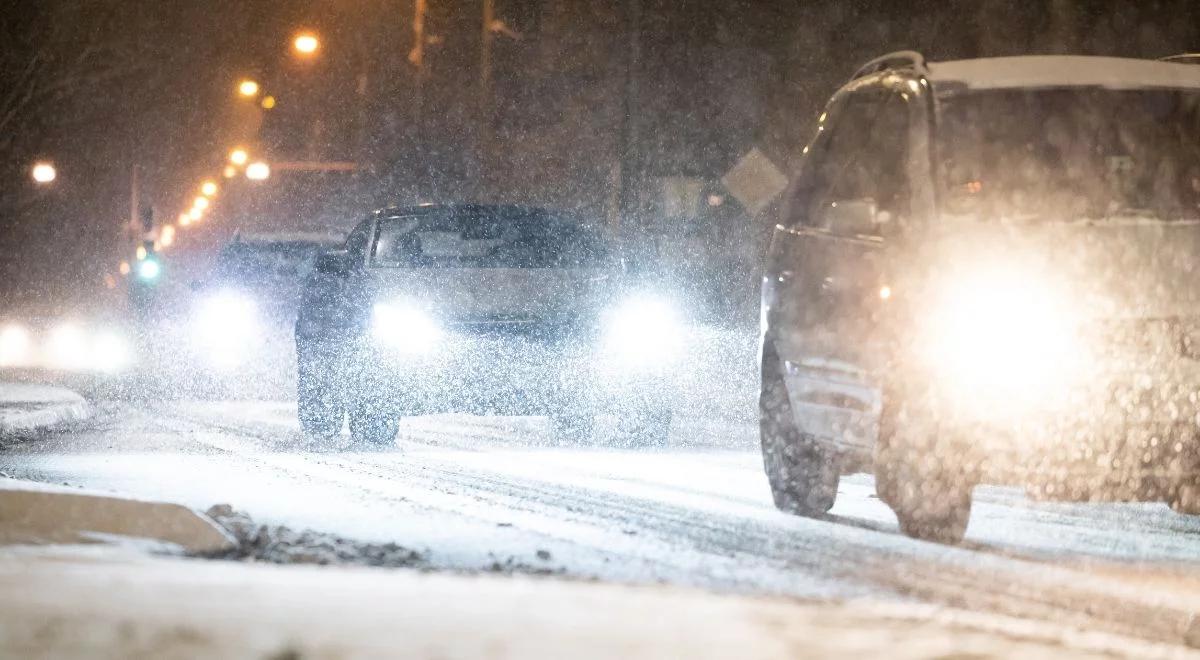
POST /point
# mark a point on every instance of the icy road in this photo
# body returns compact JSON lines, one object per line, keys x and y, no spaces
{"x":497,"y":493}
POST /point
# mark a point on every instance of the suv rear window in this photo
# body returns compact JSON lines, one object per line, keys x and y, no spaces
{"x":487,"y":240}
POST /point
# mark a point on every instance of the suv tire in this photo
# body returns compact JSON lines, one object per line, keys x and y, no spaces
{"x":802,"y":474}
{"x":931,"y":503}
{"x":370,"y":425}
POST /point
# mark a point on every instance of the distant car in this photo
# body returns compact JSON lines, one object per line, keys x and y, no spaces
{"x":95,"y":344}
{"x":478,"y":308}
{"x":986,"y":274}
{"x":252,"y":294}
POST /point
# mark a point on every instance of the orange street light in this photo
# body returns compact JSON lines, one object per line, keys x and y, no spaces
{"x":306,"y":44}
{"x":208,"y":188}
{"x":184,"y":219}
{"x":195,"y":214}
{"x":230,"y":172}
{"x":258,"y":171}
{"x":200,"y":203}
{"x":248,"y":88}
{"x":43,"y":172}
{"x":268,"y":102}
{"x":166,"y":236}
{"x":238,"y":156}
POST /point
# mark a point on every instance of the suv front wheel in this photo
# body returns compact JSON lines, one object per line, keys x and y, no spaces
{"x":931,"y":501}
{"x":803,"y":476}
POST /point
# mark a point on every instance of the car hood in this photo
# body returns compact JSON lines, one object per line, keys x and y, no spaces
{"x":495,"y":294}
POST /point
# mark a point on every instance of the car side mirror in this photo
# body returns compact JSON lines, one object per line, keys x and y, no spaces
{"x":337,"y":263}
{"x":854,"y":217}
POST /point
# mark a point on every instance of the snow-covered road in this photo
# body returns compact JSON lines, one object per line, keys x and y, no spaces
{"x":478,"y":492}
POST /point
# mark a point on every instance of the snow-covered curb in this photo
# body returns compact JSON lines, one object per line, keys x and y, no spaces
{"x":27,"y":407}
{"x":56,"y":605}
{"x":37,"y":513}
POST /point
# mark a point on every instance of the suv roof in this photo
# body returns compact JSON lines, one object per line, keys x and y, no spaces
{"x":1063,"y":71}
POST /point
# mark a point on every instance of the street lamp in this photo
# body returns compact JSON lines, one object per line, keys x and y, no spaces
{"x":230,"y":172}
{"x":200,"y":203}
{"x":258,"y":171}
{"x":43,"y":173}
{"x":208,"y":188}
{"x":238,"y":156}
{"x":195,"y":214}
{"x":306,"y":44}
{"x":248,"y":88}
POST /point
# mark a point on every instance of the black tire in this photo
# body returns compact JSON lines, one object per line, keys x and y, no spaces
{"x":931,"y":502}
{"x":373,"y":425}
{"x":934,"y":511}
{"x":571,"y":426}
{"x":320,"y":395}
{"x":803,"y":476}
{"x":650,"y":427}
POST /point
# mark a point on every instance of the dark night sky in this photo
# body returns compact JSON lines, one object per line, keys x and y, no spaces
{"x":151,"y":82}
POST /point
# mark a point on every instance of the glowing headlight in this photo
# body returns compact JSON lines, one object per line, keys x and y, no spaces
{"x":404,"y":328}
{"x":1006,"y":337}
{"x":14,"y":346}
{"x":226,"y":326}
{"x":110,"y":352}
{"x":643,"y":329}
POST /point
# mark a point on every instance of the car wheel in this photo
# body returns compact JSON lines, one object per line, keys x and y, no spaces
{"x":930,"y":502}
{"x":372,"y":426}
{"x":802,"y":474}
{"x":572,"y":426}
{"x":646,"y":428}
{"x":319,"y":397}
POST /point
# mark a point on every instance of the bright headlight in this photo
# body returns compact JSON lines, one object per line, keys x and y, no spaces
{"x":226,"y":325}
{"x":643,"y":329}
{"x":68,"y":347}
{"x":111,"y":351}
{"x":1006,"y":337}
{"x":404,"y":328}
{"x":14,"y":346}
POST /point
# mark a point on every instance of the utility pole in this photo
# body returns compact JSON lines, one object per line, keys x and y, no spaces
{"x":630,"y":137}
{"x":485,"y":89}
{"x":416,"y":57}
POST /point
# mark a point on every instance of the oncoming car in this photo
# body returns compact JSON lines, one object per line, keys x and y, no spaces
{"x":986,"y":275}
{"x":484,"y":309}
{"x":247,"y":305}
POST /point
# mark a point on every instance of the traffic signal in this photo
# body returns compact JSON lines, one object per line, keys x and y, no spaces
{"x":148,"y":266}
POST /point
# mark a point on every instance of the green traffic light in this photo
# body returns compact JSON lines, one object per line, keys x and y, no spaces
{"x":149,"y":269}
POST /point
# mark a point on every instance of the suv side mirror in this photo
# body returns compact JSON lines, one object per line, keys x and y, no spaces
{"x":337,"y":262}
{"x":854,"y":217}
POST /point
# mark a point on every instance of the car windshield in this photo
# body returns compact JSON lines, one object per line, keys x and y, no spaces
{"x":251,"y":260}
{"x":486,"y":240}
{"x":1067,"y":154}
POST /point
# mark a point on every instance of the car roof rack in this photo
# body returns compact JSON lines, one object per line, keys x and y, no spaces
{"x":1182,"y":58}
{"x":901,"y":59}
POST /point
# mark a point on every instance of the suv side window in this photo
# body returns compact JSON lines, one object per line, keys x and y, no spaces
{"x":863,"y":171}
{"x":359,"y":238}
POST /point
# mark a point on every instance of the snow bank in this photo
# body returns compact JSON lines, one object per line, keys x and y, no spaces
{"x":94,"y":606}
{"x":37,"y":513}
{"x":28,"y":407}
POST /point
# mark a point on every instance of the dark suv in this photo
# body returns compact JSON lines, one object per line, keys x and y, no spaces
{"x":986,"y":273}
{"x":483,"y":309}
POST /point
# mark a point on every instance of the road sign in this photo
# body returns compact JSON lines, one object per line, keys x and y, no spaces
{"x":754,"y":181}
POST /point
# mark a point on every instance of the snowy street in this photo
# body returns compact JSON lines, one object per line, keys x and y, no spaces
{"x":497,"y":494}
